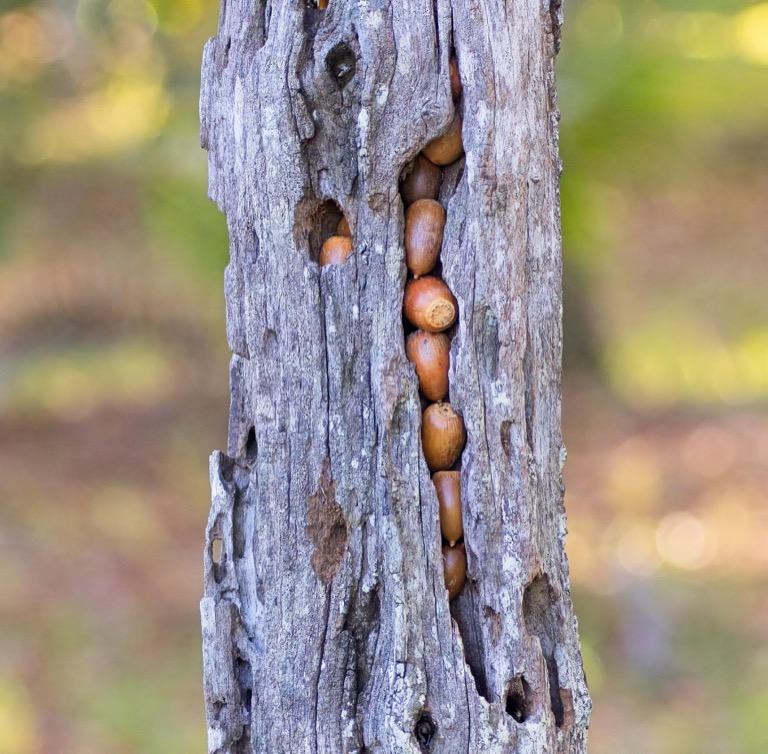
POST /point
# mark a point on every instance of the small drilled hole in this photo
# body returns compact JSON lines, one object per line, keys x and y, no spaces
{"x":425,"y":730}
{"x":315,"y":223}
{"x":250,"y":445}
{"x":218,"y":557}
{"x":244,"y":676}
{"x":341,"y":62}
{"x":518,"y":703}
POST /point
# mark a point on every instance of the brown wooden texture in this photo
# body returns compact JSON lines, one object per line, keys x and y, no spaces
{"x":326,"y":623}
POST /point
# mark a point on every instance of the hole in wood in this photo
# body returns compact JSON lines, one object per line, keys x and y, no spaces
{"x":258,"y":24}
{"x":250,"y":445}
{"x":341,"y":62}
{"x":219,"y":559}
{"x":542,"y":619}
{"x":239,"y":525}
{"x":555,"y":692}
{"x":567,"y":718}
{"x":317,"y":222}
{"x":424,"y":731}
{"x":244,"y":675}
{"x":519,"y":701}
{"x":464,"y":612}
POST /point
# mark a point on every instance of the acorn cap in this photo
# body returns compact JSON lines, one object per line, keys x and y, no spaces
{"x":429,"y":304}
{"x":342,"y":229}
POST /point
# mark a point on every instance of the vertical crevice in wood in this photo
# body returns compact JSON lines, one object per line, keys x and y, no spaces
{"x":556,"y":19}
{"x":244,"y":675}
{"x":542,"y":620}
{"x":464,"y":613}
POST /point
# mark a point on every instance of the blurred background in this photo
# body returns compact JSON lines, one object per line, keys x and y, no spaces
{"x":113,"y":371}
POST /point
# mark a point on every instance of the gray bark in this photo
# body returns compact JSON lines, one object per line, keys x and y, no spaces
{"x":326,"y":624}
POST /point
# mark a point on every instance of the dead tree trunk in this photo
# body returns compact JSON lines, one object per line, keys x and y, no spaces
{"x":326,"y":624}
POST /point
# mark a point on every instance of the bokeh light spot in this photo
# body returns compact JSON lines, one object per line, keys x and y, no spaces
{"x":636,"y":553}
{"x":752,"y":33}
{"x":17,"y":721}
{"x":684,"y":541}
{"x":123,"y":115}
{"x":703,"y":35}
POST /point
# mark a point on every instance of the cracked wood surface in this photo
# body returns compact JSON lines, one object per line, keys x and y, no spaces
{"x":326,"y":625}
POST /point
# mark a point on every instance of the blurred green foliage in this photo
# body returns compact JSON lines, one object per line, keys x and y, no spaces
{"x":662,"y":111}
{"x":114,"y":369}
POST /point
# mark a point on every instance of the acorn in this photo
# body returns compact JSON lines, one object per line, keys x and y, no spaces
{"x":448,"y":488}
{"x":431,"y":355}
{"x":423,"y":182}
{"x":456,"y":87}
{"x":342,"y":229}
{"x":442,"y":436}
{"x":322,"y":4}
{"x":447,"y":148}
{"x":424,"y":225}
{"x":429,"y":304}
{"x":455,"y":565}
{"x":335,"y":250}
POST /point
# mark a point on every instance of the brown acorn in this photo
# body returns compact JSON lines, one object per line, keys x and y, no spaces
{"x":431,"y":355}
{"x":429,"y":304}
{"x":447,"y":148}
{"x":424,"y":225}
{"x":335,"y":250}
{"x":456,"y":87}
{"x":342,"y":229}
{"x":448,"y":488}
{"x":442,"y":436}
{"x":423,"y":182}
{"x":455,"y":565}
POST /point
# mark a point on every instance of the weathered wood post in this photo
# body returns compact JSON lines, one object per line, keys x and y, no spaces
{"x":326,"y":624}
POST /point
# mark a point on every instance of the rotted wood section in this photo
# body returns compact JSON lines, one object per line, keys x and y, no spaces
{"x":326,"y":622}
